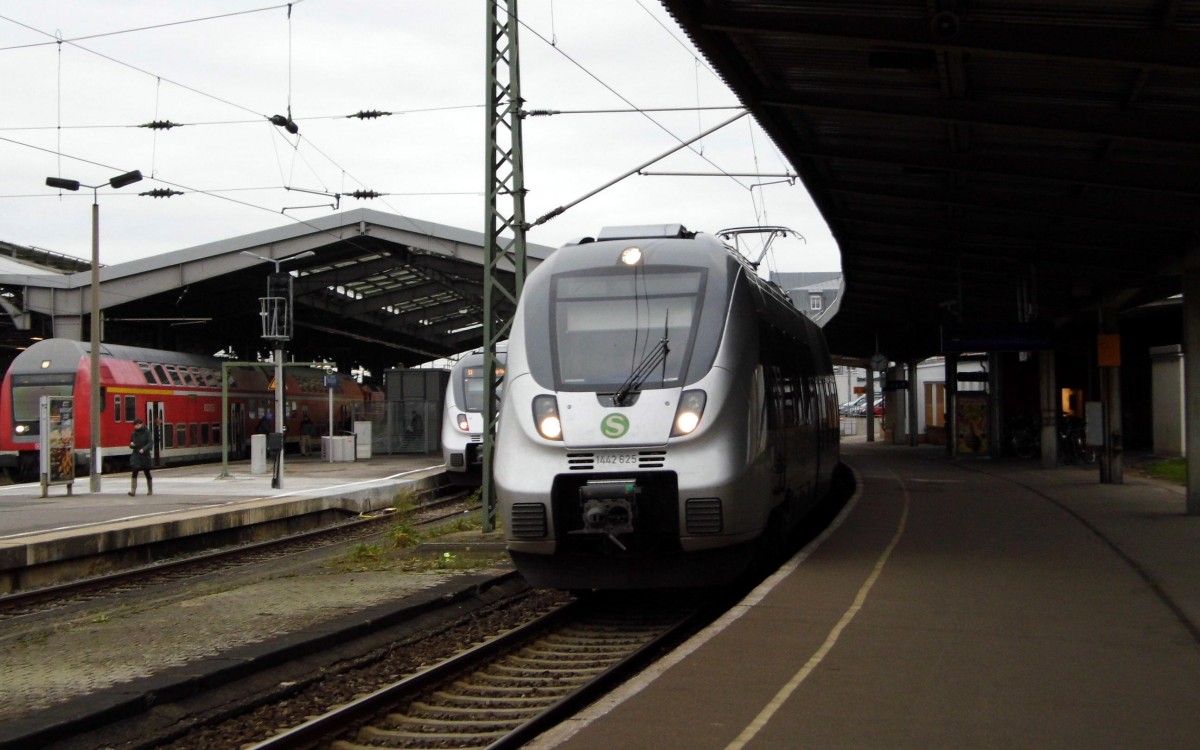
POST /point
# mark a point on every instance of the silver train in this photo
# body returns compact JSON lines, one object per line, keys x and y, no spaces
{"x":668,"y":416}
{"x":462,"y":418}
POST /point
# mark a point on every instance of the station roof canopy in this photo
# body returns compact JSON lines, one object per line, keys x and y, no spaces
{"x":369,"y":288}
{"x":982,"y":165}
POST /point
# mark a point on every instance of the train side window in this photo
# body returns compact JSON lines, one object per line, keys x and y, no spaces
{"x":146,"y":371}
{"x":130,"y":408}
{"x":160,"y":375}
{"x":195,"y":434}
{"x":117,"y":409}
{"x":205,"y":434}
{"x":181,"y":435}
{"x":216,"y":433}
{"x":168,"y":436}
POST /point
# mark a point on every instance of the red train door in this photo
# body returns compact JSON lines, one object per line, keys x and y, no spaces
{"x":154,"y":423}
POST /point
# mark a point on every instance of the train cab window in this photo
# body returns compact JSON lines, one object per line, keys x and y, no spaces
{"x":603,"y":325}
{"x":205,"y":434}
{"x":117,"y":409}
{"x":168,"y":436}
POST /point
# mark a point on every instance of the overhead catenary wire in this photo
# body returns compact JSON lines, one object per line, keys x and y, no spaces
{"x":635,"y":170}
{"x":137,"y":29}
{"x":218,"y":194}
{"x":301,"y":160}
{"x":168,"y":124}
{"x":289,"y":121}
{"x":260,"y":116}
{"x":623,"y":98}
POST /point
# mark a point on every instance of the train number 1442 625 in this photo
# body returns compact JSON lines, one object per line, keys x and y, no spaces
{"x":617,"y":459}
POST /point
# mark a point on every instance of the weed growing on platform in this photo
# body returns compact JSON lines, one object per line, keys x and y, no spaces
{"x":469,"y":521}
{"x":451,"y":562}
{"x":363,"y":556}
{"x":404,"y":536}
{"x":402,"y":501}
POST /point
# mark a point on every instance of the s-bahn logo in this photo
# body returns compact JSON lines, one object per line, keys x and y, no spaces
{"x":614,"y":425}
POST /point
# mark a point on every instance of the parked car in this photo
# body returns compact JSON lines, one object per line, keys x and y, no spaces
{"x":847,"y":409}
{"x":860,"y":408}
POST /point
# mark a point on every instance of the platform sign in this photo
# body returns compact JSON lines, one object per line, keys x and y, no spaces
{"x":57,"y":455}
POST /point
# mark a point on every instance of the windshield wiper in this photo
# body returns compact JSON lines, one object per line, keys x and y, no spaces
{"x":653,"y":359}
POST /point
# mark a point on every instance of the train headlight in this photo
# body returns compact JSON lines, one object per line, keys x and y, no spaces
{"x":21,"y":429}
{"x":688,"y":413}
{"x":463,"y":424}
{"x":545,"y":417}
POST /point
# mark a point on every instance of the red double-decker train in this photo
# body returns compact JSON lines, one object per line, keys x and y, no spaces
{"x":178,"y":396}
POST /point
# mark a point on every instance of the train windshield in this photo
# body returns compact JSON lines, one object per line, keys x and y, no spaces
{"x":26,"y":399}
{"x":472,"y":386}
{"x":605,"y":324}
{"x":473,"y":389}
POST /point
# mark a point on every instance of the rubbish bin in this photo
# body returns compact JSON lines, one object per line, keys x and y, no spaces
{"x":258,"y":454}
{"x":337,"y":448}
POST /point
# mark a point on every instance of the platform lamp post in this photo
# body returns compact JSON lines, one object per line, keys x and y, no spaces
{"x":119,"y":181}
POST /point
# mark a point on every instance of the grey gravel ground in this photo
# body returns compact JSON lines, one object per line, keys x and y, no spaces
{"x":53,"y":657}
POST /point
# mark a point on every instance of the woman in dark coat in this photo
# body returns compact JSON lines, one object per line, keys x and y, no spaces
{"x":139,"y":457}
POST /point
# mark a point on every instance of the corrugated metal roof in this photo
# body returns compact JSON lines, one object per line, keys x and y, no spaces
{"x":980,"y":164}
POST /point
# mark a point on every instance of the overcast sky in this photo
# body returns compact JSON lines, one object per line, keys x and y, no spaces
{"x":73,"y":110}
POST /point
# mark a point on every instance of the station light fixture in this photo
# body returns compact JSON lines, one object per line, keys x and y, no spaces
{"x":119,"y":181}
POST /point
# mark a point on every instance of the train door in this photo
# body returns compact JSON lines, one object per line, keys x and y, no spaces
{"x":237,"y":431}
{"x":154,"y":423}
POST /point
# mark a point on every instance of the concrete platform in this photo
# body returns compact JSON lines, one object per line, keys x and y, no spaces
{"x":969,"y":603}
{"x":39,"y":536}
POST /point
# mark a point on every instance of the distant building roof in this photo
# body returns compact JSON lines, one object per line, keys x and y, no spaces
{"x":803,"y":279}
{"x":17,"y":259}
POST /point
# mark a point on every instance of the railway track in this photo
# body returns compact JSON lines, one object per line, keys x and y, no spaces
{"x":23,"y":603}
{"x":504,"y":692}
